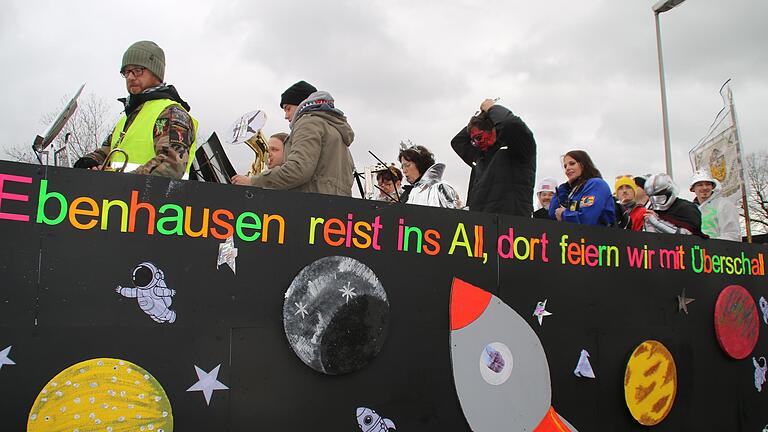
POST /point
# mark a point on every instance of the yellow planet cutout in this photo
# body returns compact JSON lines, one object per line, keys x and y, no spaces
{"x":104,"y":394}
{"x":650,"y":383}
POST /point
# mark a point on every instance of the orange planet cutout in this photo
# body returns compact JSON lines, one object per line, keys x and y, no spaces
{"x":650,"y":383}
{"x":102,"y":394}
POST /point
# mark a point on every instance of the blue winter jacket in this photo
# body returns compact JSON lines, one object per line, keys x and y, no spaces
{"x":590,"y":204}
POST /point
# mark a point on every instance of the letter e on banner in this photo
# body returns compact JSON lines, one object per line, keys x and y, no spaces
{"x":13,"y":196}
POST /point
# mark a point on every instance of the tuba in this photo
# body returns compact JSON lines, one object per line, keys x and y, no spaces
{"x":258,"y":144}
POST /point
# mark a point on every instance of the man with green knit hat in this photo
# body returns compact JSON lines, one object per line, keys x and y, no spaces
{"x":156,"y":132}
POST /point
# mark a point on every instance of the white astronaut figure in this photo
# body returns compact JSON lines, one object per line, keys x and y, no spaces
{"x":150,"y":291}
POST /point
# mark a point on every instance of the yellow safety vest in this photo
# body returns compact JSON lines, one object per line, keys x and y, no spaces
{"x":139,"y":140}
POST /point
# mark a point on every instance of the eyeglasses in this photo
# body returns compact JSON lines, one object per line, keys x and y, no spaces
{"x":137,"y":72}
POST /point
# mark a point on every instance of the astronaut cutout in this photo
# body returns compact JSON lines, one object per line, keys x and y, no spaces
{"x":150,"y":291}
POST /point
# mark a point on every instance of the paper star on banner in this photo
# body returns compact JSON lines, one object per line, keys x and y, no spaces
{"x":541,"y":311}
{"x":348,"y":292}
{"x":683,"y":302}
{"x":4,"y":360}
{"x":207,"y":382}
{"x":227,"y":254}
{"x":301,"y":309}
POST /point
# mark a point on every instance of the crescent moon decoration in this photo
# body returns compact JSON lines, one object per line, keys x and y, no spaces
{"x":336,"y":315}
{"x":650,"y":383}
{"x":101,"y":394}
{"x":512,"y":388}
{"x":737,"y":324}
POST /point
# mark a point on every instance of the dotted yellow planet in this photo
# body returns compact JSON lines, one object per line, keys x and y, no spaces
{"x":650,"y":383}
{"x":105,"y":395}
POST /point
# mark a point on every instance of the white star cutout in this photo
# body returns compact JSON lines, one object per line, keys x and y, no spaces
{"x":348,"y":292}
{"x":4,"y":360}
{"x":541,"y":311}
{"x":301,"y":309}
{"x":207,"y":382}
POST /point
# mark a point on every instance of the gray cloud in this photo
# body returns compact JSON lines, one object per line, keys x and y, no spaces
{"x":581,"y":74}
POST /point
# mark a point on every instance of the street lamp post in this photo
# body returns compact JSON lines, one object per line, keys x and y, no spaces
{"x":658,"y":8}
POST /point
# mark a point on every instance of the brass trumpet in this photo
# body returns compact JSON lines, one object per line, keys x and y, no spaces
{"x":258,"y":144}
{"x":105,"y":166}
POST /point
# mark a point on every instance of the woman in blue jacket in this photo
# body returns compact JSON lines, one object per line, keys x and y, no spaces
{"x":585,"y":198}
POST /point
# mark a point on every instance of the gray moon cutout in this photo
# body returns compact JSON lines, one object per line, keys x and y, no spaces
{"x":336,"y":315}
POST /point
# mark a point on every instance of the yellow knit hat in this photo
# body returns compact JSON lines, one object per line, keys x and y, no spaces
{"x":624,"y":181}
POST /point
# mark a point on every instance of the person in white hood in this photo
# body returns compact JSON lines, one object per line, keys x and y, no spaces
{"x":719,"y":216}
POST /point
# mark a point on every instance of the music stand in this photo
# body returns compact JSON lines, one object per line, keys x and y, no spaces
{"x":41,"y":142}
{"x":211,"y":163}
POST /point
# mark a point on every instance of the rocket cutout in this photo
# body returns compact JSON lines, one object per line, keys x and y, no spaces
{"x":499,"y":365}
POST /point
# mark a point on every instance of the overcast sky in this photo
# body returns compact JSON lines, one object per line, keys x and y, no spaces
{"x":581,"y":74}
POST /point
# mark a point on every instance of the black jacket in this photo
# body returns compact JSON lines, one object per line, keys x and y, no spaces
{"x":502,"y":178}
{"x":683,"y":213}
{"x":542,"y":213}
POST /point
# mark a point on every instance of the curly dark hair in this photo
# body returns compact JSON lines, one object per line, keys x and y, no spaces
{"x":420,"y":155}
{"x":588,"y":168}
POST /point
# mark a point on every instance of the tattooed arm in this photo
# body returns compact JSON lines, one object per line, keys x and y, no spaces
{"x":173,"y":135}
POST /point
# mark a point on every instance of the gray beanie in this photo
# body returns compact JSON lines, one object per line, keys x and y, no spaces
{"x":147,"y":54}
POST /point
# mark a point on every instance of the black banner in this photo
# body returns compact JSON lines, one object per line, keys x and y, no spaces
{"x":134,"y":273}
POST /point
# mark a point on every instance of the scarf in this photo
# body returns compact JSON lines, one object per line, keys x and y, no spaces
{"x":161,"y":91}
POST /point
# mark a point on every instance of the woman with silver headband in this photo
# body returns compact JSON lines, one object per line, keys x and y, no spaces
{"x":426,"y":179}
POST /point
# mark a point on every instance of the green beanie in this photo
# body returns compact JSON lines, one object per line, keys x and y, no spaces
{"x":147,"y":54}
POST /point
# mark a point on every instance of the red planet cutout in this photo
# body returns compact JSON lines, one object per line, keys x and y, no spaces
{"x":736,"y":322}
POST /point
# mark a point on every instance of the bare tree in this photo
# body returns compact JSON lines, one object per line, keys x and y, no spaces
{"x":84,"y":132}
{"x":757,"y":189}
{"x":20,"y":154}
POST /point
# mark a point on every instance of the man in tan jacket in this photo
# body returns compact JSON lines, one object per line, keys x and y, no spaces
{"x":317,"y":156}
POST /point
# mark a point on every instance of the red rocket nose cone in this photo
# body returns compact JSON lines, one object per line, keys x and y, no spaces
{"x":552,"y":422}
{"x":468,"y":302}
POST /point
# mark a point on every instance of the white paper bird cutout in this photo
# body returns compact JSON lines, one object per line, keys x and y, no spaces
{"x":584,"y":368}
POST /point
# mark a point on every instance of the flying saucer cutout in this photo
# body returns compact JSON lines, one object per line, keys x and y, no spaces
{"x":336,"y":315}
{"x":512,"y":388}
{"x":369,"y":421}
{"x":737,"y":324}
{"x":102,"y":394}
{"x":650,"y":383}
